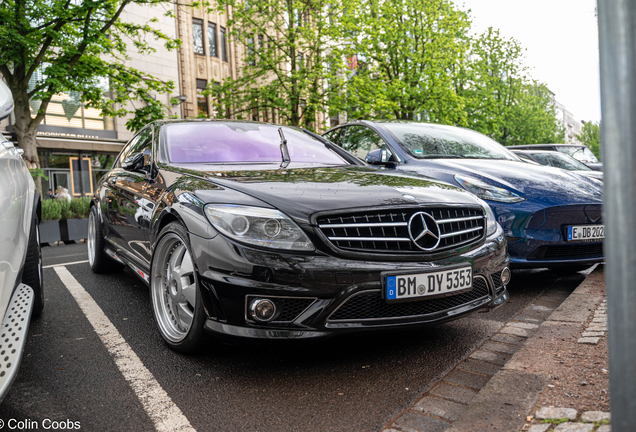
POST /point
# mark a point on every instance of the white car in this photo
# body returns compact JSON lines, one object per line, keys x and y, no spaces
{"x":21,"y":287}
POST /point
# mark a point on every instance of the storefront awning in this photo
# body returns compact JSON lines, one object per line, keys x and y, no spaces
{"x":80,"y":144}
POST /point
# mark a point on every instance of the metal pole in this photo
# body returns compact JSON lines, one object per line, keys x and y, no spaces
{"x":617,"y":35}
{"x":81,"y":174}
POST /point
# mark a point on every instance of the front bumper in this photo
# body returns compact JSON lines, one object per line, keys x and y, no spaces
{"x":537,"y":238}
{"x":320,"y":295}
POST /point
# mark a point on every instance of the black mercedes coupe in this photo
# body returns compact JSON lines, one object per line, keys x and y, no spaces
{"x":262,"y":231}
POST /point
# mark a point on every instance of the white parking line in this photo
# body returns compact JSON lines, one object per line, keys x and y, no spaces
{"x":64,"y":264}
{"x":158,"y":405}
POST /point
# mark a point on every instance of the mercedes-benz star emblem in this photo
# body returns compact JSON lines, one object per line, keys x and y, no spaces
{"x":424,"y":231}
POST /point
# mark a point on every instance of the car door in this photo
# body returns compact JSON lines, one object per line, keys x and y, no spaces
{"x":124,"y":203}
{"x":366,"y":144}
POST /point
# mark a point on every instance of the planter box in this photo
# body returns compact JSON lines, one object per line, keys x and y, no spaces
{"x":73,"y":229}
{"x":50,"y":231}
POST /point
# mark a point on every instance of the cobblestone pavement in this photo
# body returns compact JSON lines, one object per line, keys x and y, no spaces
{"x":446,"y":401}
{"x":563,"y":419}
{"x":493,"y":389}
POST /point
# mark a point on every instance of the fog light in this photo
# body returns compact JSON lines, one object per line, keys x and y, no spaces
{"x":262,"y":310}
{"x":505,"y":276}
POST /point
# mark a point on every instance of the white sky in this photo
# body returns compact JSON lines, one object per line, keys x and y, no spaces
{"x":561,"y":41}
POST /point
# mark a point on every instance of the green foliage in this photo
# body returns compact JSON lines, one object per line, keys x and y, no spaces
{"x":79,"y":48}
{"x":591,"y":136}
{"x":294,"y":56}
{"x":501,"y":99}
{"x":408,"y":55}
{"x":416,"y":61}
{"x":555,"y":421}
{"x":37,"y":173}
{"x":79,"y":207}
{"x":53,"y":209}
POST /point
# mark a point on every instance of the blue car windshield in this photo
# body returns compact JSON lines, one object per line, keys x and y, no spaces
{"x":428,"y":141}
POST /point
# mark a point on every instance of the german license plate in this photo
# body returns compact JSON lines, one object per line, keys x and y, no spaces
{"x":586,"y":232}
{"x":412,"y":286}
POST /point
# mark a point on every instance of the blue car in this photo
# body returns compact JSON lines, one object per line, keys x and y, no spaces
{"x":551,"y":218}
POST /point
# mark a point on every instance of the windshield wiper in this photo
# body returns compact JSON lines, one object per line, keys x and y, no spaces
{"x":284,"y":151}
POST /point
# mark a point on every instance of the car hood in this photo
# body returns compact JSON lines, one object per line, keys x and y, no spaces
{"x":300,"y":192}
{"x":548,"y":184}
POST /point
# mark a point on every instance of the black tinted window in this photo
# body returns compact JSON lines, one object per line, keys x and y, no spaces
{"x":141,"y":143}
{"x":360,"y":140}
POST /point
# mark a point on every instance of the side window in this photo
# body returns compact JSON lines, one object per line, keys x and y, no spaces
{"x":334,"y":135}
{"x":361,"y":140}
{"x":125,"y":152}
{"x":144,"y":146}
{"x":141,"y":143}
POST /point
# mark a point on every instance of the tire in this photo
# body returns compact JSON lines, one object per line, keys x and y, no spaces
{"x":98,"y":260}
{"x":32,"y":271}
{"x":174,"y":291}
{"x":570,"y":270}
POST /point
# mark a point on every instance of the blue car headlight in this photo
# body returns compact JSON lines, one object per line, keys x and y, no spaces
{"x":486,"y":191}
{"x":258,"y":226}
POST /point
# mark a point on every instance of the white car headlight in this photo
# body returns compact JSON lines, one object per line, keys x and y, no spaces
{"x":258,"y":226}
{"x":486,"y":191}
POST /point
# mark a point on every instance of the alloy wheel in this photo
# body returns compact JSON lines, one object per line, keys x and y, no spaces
{"x":91,"y":238}
{"x":173,"y":288}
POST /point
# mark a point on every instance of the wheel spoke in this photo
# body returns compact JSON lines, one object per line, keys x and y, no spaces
{"x":175,"y":259}
{"x":175,"y":310}
{"x":189,"y":294}
{"x":187,"y":268}
{"x":185,"y":315}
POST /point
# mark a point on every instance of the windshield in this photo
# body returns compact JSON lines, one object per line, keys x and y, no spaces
{"x":216,"y":142}
{"x":560,"y":160}
{"x":426,"y":141}
{"x":579,"y":153}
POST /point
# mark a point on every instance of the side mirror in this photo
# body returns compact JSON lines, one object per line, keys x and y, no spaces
{"x":374,"y":156}
{"x":380,"y":157}
{"x":133,"y":163}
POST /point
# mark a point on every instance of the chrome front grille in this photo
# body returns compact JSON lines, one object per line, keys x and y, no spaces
{"x":387,"y":230}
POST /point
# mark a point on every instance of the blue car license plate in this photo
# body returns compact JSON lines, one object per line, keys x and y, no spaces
{"x":412,"y":286}
{"x":586,"y":232}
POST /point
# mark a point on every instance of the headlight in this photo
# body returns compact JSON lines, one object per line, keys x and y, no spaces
{"x":488,"y":192}
{"x":491,"y":220}
{"x":258,"y":226}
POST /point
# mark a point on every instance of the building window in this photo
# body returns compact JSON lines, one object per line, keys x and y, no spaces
{"x":212,"y":39}
{"x":197,"y":35}
{"x":223,"y":45}
{"x":261,"y":46}
{"x":251,"y":54}
{"x":202,"y":100}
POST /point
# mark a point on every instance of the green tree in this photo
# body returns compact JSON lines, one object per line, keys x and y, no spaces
{"x":501,"y":99}
{"x":408,"y":53}
{"x":79,"y":48}
{"x":591,"y":136}
{"x":292,"y":62}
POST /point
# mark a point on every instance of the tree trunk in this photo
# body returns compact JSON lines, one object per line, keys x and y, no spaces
{"x":26,"y":128}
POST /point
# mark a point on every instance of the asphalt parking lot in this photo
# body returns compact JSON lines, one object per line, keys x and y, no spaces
{"x":103,"y":366}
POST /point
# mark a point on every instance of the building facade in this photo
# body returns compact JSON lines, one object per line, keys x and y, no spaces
{"x":76,"y":144}
{"x":207,"y":56}
{"x":570,"y":123}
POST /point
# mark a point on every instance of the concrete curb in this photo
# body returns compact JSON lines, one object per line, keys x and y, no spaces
{"x":505,"y":401}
